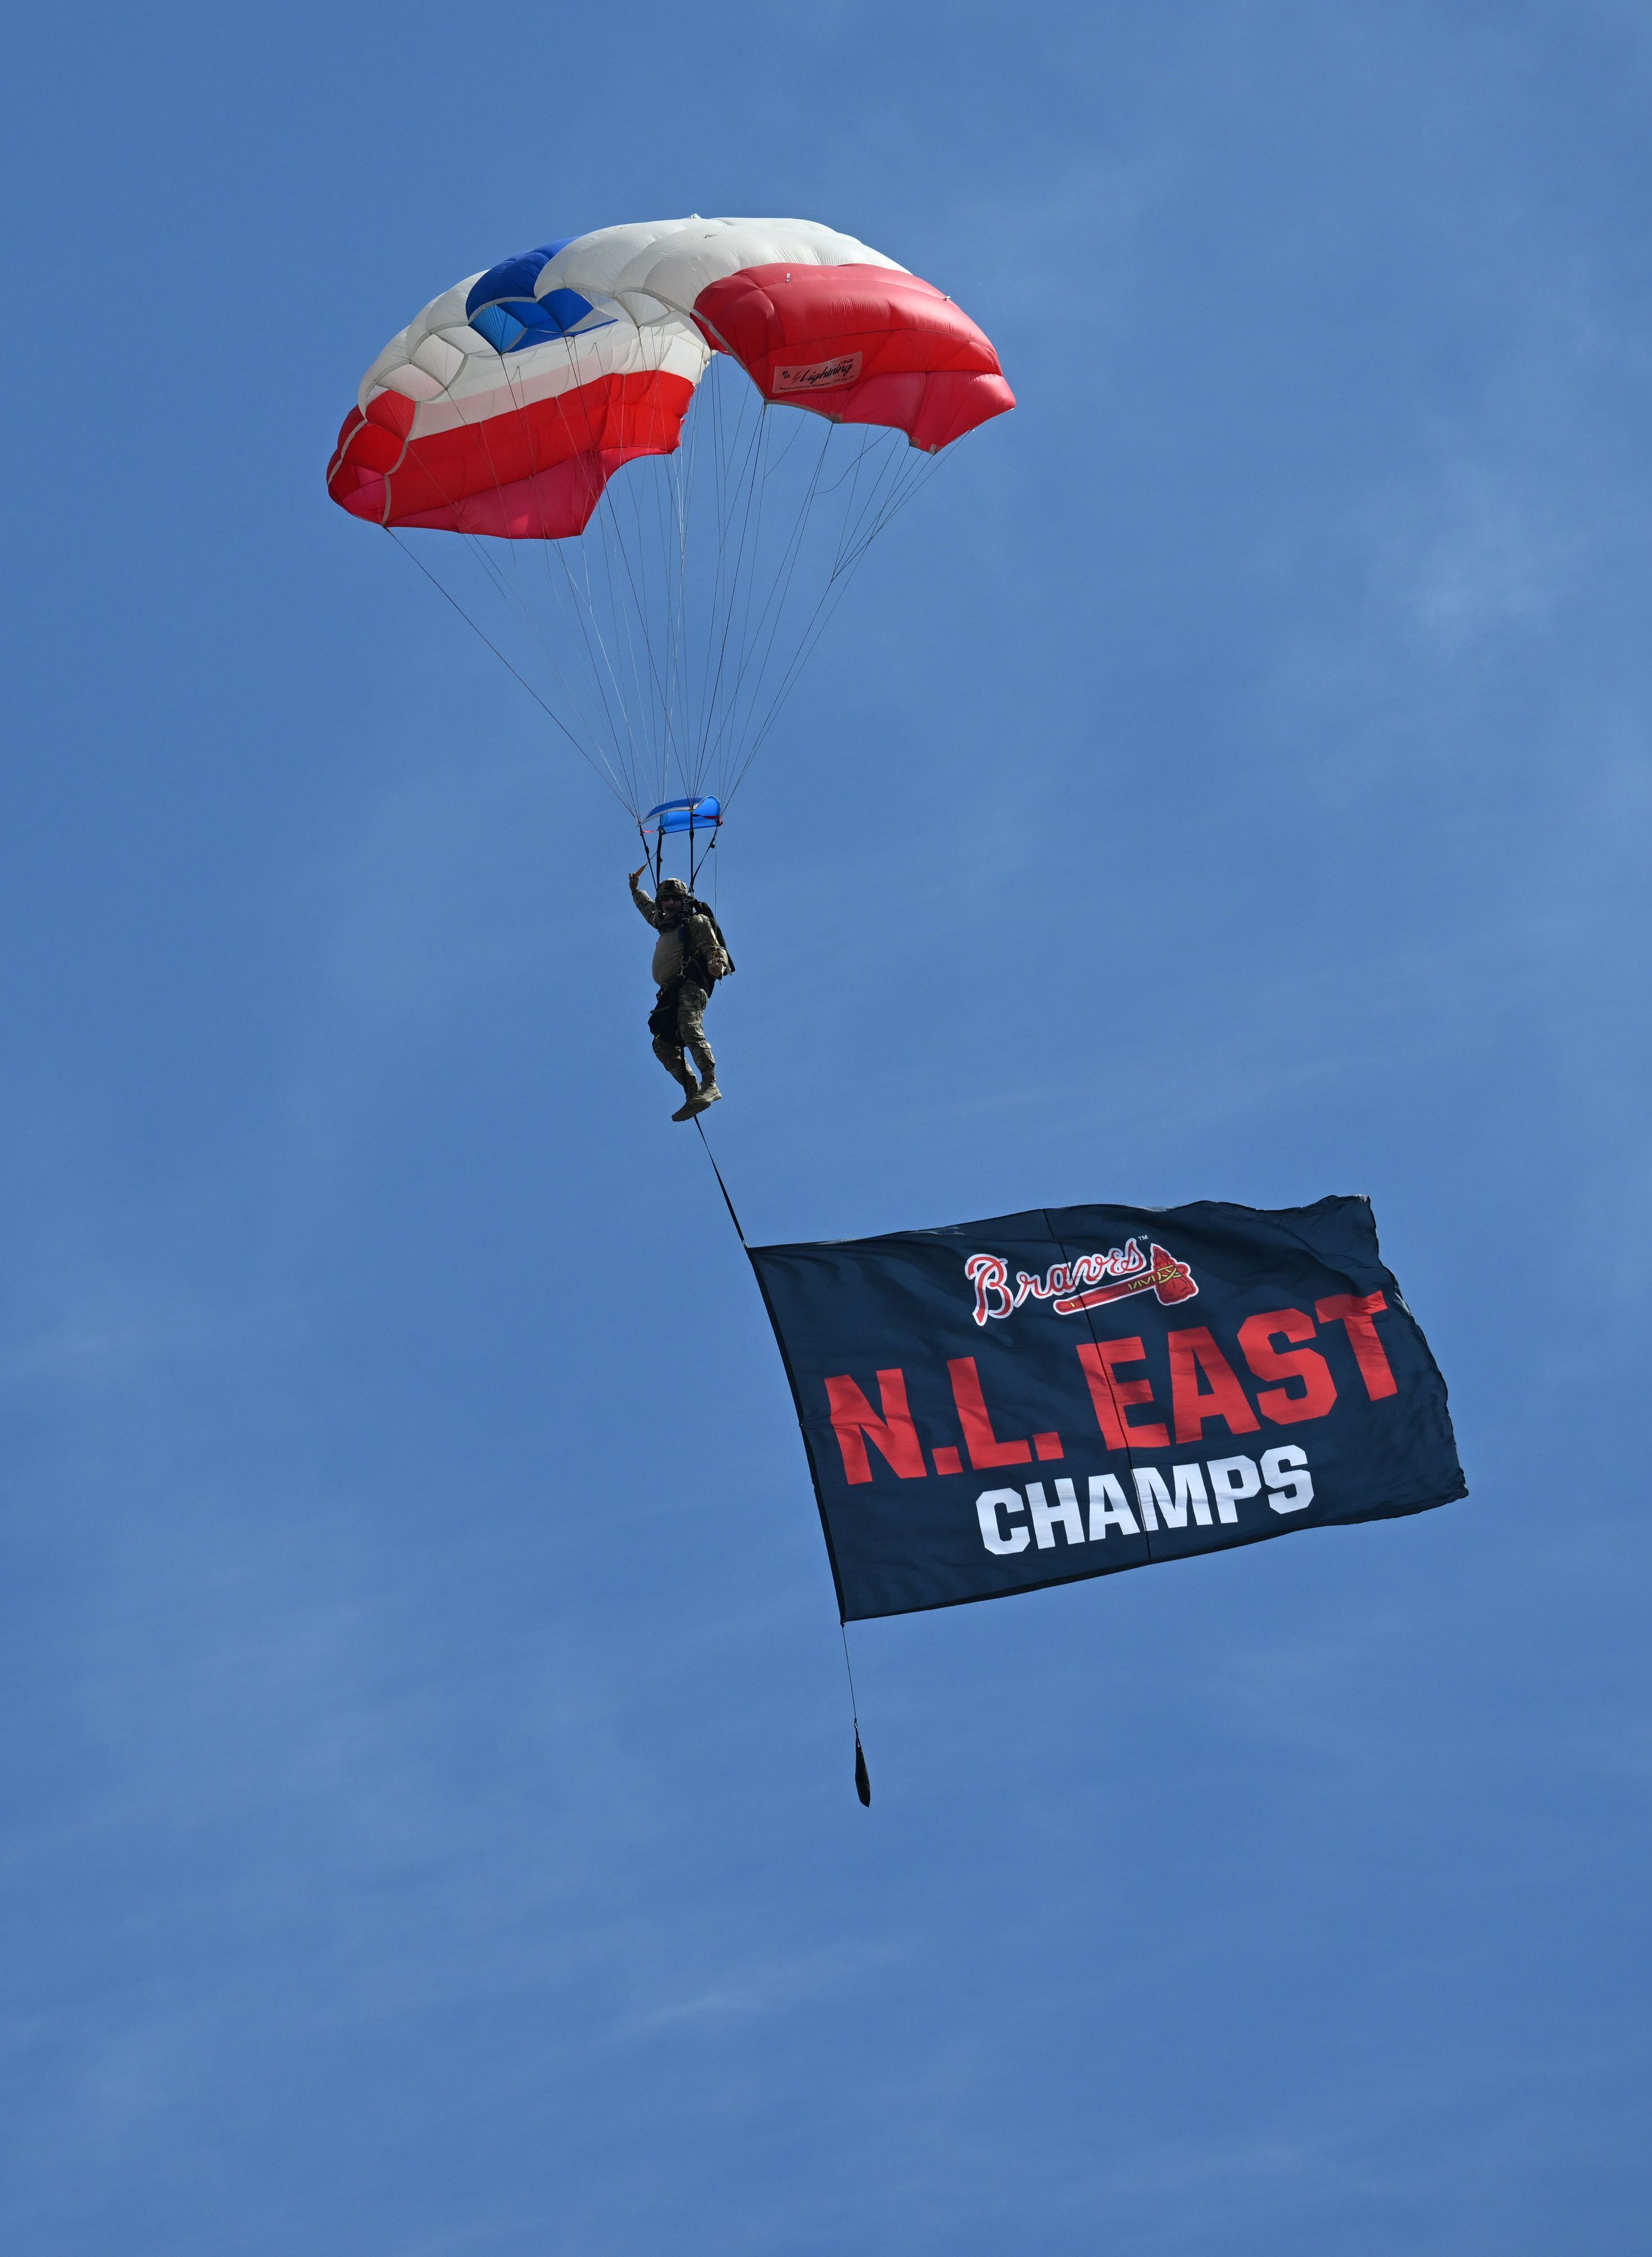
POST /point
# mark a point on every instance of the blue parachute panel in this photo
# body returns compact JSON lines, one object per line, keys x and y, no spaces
{"x":691,"y":815}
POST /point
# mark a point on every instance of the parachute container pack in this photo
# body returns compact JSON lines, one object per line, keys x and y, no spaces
{"x":998,"y":1406}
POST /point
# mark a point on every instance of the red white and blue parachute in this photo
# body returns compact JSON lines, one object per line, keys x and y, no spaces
{"x":510,"y":401}
{"x":502,"y":411}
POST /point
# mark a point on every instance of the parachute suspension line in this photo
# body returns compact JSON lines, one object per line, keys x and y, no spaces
{"x":756,"y":649}
{"x":743,"y":654}
{"x":508,"y":583}
{"x":833,"y":593}
{"x":641,"y":606}
{"x":529,"y":614}
{"x":724,"y":684}
{"x":726,"y":587}
{"x":599,"y":660}
{"x":661,"y":610}
{"x":849,"y":538}
{"x":504,"y":662}
{"x":906,"y":483}
{"x":721,"y":686}
{"x":891,"y":485}
{"x":682,"y":484}
{"x":765,"y":470}
{"x":620,"y":626}
{"x":654,"y":564}
{"x":654,"y":597}
{"x":776,"y":601}
{"x":510,"y":587}
{"x":750,"y":632}
{"x":676,"y":663}
{"x":612,"y":533}
{"x":511,"y":595}
{"x":671,"y":499}
{"x":722,"y":454}
{"x":753,"y":487}
{"x":751,"y":661}
{"x":682,"y":475}
{"x":626,"y":752}
{"x":708,"y":404}
{"x":661,"y":600}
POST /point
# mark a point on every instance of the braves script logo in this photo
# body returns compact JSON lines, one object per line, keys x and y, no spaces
{"x":1087,"y":1283}
{"x":819,"y":375}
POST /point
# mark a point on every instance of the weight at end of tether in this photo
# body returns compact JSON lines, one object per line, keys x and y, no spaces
{"x":862,"y":1777}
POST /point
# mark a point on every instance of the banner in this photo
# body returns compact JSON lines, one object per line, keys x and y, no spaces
{"x":998,"y":1406}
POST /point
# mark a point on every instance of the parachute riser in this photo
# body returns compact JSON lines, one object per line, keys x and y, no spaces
{"x":697,"y":820}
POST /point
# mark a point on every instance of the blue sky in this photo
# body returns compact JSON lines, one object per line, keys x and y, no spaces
{"x":428,"y":1826}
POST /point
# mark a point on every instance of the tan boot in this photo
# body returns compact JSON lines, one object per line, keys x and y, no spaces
{"x":684,"y":1075}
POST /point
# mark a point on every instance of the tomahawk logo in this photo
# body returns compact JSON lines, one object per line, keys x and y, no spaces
{"x":1087,"y":1283}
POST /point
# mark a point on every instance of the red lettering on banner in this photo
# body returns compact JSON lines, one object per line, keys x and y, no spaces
{"x":1047,"y":1446}
{"x":1110,"y":1394}
{"x":1256,"y":1335}
{"x":855,"y":1423}
{"x":1194,"y":1352}
{"x":983,"y":1445}
{"x":948,"y":1460}
{"x":1358,"y":1315}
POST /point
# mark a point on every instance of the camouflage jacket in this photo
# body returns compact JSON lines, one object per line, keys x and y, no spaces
{"x":703,"y":949}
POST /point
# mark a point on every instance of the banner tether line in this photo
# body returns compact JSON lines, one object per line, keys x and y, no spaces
{"x":862,"y":1777}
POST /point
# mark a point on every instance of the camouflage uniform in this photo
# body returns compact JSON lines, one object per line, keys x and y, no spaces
{"x":678,"y":1020}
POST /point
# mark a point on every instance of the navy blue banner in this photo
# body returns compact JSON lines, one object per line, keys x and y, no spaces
{"x":998,"y":1406}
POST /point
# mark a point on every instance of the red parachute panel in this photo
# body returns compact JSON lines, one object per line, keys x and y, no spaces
{"x":534,"y":473}
{"x":859,"y":344}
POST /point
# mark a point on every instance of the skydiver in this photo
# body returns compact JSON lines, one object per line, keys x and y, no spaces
{"x":689,"y":956}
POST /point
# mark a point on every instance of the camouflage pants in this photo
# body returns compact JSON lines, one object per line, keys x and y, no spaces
{"x":683,"y":1018}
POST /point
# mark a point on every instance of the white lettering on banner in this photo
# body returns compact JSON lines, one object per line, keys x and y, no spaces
{"x":992,"y":1534}
{"x":1065,"y":1510}
{"x":1290,"y":1489}
{"x":1152,"y":1494}
{"x":1290,"y":1486}
{"x":1232,"y":1478}
{"x":1108,"y":1507}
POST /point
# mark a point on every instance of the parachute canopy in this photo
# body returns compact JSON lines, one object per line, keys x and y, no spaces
{"x":505,"y":406}
{"x":662,"y":641}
